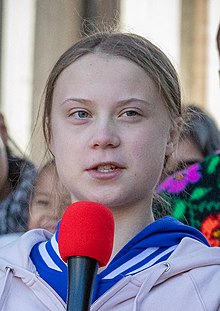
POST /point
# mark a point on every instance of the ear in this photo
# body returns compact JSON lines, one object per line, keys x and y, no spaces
{"x":174,"y":135}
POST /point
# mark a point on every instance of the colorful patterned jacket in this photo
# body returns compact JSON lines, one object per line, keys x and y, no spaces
{"x":194,"y":196}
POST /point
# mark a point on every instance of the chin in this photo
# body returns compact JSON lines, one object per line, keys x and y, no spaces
{"x":105,"y":200}
{"x":112,"y":203}
{"x":110,"y":198}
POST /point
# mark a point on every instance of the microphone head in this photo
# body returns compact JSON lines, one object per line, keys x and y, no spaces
{"x":87,"y":230}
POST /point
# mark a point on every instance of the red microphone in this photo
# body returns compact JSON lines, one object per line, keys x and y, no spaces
{"x":85,"y":242}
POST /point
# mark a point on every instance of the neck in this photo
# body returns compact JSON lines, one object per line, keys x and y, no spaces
{"x":128,"y":223}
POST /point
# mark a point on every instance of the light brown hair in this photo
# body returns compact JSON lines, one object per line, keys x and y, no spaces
{"x":130,"y":46}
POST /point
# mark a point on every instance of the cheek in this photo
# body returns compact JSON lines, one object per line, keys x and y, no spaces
{"x":147,"y":147}
{"x":65,"y":138}
{"x":149,"y":154}
{"x":62,"y":144}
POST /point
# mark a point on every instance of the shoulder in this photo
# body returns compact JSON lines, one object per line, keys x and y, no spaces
{"x":191,"y":253}
{"x":6,"y":239}
{"x":192,"y":272}
{"x":21,"y":246}
{"x":195,"y":270}
{"x":20,"y":285}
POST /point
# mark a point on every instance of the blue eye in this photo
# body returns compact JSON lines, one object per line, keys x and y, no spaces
{"x":131,"y":113}
{"x":81,"y":114}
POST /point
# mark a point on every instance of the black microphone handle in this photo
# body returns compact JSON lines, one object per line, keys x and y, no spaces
{"x":81,"y":275}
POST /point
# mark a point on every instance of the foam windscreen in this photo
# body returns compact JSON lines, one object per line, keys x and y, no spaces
{"x":87,"y":229}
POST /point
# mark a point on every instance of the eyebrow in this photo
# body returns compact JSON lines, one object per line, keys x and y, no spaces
{"x":75,"y":99}
{"x":133,"y":99}
{"x":120,"y":102}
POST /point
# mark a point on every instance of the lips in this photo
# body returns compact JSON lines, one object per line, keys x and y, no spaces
{"x":106,"y":167}
{"x":105,"y":170}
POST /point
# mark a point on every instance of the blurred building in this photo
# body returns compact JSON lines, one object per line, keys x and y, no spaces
{"x":35,"y":32}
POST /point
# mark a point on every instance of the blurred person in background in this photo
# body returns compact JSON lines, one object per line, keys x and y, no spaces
{"x":192,"y":187}
{"x":49,"y":199}
{"x":199,"y":138}
{"x":17,"y":176}
{"x":194,"y":192}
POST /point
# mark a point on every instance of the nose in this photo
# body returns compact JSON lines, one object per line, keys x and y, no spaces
{"x":105,"y":136}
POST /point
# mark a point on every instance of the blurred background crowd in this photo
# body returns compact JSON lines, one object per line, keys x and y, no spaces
{"x":32,"y":36}
{"x":34,"y":33}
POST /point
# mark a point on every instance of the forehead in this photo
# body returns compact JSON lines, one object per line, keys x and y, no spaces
{"x":105,"y":75}
{"x":102,"y":64}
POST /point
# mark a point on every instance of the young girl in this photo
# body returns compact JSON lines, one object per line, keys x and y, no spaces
{"x":111,"y":119}
{"x":49,"y":199}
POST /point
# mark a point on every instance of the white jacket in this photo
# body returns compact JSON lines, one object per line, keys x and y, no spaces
{"x":188,"y":281}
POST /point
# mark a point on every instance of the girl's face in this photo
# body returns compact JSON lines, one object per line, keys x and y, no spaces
{"x":110,"y":131}
{"x":48,"y":200}
{"x":44,"y":201}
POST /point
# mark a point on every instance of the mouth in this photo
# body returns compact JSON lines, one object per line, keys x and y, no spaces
{"x":109,"y":169}
{"x":106,"y":168}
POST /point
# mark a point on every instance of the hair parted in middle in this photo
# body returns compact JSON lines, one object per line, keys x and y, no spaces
{"x":129,"y":46}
